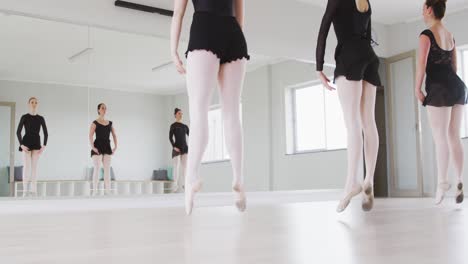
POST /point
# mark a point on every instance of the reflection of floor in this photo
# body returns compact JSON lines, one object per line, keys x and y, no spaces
{"x":397,"y":231}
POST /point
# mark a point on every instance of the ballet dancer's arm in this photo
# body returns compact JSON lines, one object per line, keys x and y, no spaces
{"x":91,"y":138}
{"x":424,"y":46}
{"x":176,"y":27}
{"x":322,"y":41}
{"x":454,"y":57}
{"x":18,"y":134}
{"x":239,"y":9}
{"x":114,"y":137}
{"x":46,"y":134}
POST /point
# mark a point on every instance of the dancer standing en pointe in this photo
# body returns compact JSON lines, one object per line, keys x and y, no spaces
{"x":178,"y":137}
{"x":101,"y":150}
{"x":216,"y":55}
{"x":30,"y":144}
{"x":446,"y":95}
{"x":357,"y":77}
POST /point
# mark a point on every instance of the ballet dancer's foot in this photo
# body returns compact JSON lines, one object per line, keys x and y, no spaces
{"x":357,"y":189}
{"x":175,"y":188}
{"x":368,"y":197}
{"x":241,"y":199}
{"x":442,"y":189}
{"x":459,"y":197}
{"x":190,"y":195}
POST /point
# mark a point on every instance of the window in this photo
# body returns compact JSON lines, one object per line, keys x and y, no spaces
{"x":216,"y":149}
{"x":317,"y":120}
{"x":463,"y":73}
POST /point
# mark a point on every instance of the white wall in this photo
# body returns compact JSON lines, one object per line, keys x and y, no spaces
{"x":139,"y":119}
{"x":267,"y":167}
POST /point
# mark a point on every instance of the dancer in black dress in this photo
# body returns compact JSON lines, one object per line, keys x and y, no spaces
{"x":178,"y":137}
{"x":102,"y":151}
{"x":30,"y":144}
{"x":216,"y":55}
{"x":357,"y":77}
{"x":445,"y":95}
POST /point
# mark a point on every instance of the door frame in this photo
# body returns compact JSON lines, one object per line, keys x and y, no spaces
{"x":394,"y":191}
{"x":12,"y":106}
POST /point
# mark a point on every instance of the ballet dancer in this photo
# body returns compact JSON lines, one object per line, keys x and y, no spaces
{"x":178,"y":137}
{"x":102,"y":151}
{"x":445,"y":95}
{"x":30,"y":144}
{"x":216,"y":54}
{"x":356,"y":76}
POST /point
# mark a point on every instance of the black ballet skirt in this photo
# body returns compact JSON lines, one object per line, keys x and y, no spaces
{"x":354,"y":54}
{"x":102,"y":141}
{"x":32,"y":125}
{"x":215,"y":29}
{"x":443,"y":86}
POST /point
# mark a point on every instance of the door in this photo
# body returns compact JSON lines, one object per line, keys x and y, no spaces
{"x":7,"y":155}
{"x":404,"y":128}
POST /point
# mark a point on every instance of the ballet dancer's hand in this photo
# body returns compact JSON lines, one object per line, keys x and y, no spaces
{"x":96,"y":151}
{"x":42,"y":150}
{"x":325,"y":81}
{"x":24,"y":148}
{"x":114,"y":150}
{"x":177,"y":150}
{"x":178,"y":63}
{"x":420,"y":96}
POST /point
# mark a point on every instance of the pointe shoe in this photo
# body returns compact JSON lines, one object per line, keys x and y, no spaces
{"x":459,"y":197}
{"x":190,"y":195}
{"x":368,"y":198}
{"x":241,"y":199}
{"x":442,"y":189}
{"x":347,"y":199}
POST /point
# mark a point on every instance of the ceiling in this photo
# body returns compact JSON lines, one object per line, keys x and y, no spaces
{"x":38,"y":50}
{"x":391,"y":12}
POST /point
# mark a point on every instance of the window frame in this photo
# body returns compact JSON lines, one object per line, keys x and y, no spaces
{"x":292,"y":93}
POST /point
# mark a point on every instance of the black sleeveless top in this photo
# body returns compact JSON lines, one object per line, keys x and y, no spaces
{"x":102,"y":140}
{"x":218,"y":7}
{"x":348,"y":23}
{"x":443,"y":86}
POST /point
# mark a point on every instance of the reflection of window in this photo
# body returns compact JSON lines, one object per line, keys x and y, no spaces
{"x":316,"y":120}
{"x":216,"y":149}
{"x":463,"y":73}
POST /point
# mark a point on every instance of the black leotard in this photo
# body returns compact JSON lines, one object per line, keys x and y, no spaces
{"x":179,"y":132}
{"x":443,"y":86}
{"x":32,"y":125}
{"x":102,"y":141}
{"x":354,"y":55}
{"x":219,"y":7}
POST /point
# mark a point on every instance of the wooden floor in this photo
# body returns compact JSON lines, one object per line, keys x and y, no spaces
{"x":398,"y":231}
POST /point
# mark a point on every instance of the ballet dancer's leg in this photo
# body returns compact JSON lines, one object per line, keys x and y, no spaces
{"x":439,"y":119}
{"x":371,"y":142}
{"x":97,"y":162}
{"x":34,"y":160}
{"x":456,"y":148}
{"x":27,"y":157}
{"x":231,"y":81}
{"x":350,"y":94}
{"x":175,"y":172}
{"x":182,"y":169}
{"x":202,"y":74}
{"x":107,"y":177}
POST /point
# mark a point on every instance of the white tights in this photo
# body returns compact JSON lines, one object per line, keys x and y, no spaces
{"x":30,"y":160}
{"x":203,"y":74}
{"x":98,"y":161}
{"x":445,"y":124}
{"x":357,"y":100}
{"x":180,"y":164}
